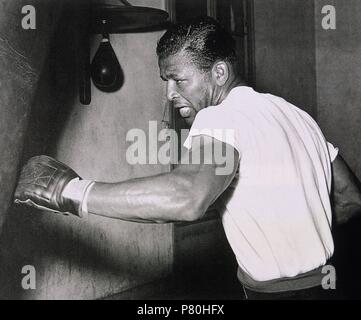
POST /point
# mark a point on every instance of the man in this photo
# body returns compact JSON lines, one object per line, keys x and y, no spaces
{"x":276,"y":203}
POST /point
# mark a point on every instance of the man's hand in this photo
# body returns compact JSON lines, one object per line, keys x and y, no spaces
{"x":41,"y":185}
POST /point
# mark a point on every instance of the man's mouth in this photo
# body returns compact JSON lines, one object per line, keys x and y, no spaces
{"x":185,"y":112}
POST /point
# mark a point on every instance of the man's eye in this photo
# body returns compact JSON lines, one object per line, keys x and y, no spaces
{"x":179,"y":81}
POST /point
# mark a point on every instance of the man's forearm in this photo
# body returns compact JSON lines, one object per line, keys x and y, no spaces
{"x":162,"y":198}
{"x":184,"y":194}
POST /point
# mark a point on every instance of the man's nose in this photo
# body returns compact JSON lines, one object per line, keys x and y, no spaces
{"x":171,"y":91}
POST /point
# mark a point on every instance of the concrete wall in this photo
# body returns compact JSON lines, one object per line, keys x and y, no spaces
{"x":285,"y":50}
{"x":338,"y":59}
{"x":87,"y":259}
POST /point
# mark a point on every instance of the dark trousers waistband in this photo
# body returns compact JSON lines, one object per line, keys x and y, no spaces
{"x":302,"y":281}
{"x":315,"y":293}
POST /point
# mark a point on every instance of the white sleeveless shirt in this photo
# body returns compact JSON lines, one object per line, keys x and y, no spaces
{"x":276,"y":213}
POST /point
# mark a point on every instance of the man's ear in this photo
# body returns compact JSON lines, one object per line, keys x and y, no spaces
{"x":220,"y":73}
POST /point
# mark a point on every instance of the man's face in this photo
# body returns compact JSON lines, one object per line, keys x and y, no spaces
{"x":188,"y":88}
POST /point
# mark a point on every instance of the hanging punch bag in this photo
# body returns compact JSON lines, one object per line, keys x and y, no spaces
{"x":106,"y":72}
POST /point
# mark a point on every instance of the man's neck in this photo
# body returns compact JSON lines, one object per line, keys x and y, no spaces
{"x":235,"y":82}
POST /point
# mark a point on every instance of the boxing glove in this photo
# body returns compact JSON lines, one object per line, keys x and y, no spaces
{"x":44,"y":182}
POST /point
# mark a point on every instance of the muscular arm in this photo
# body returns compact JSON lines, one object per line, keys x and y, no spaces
{"x":346,"y":192}
{"x":183,"y":194}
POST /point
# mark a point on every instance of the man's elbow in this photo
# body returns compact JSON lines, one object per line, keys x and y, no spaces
{"x":192,"y":215}
{"x":194,"y":210}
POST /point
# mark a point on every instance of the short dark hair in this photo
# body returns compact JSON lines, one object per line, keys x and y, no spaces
{"x":203,"y":39}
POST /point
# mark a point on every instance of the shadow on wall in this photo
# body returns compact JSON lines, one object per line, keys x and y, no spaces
{"x":58,"y":87}
{"x":29,"y":237}
{"x":43,"y":241}
{"x":20,"y":228}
